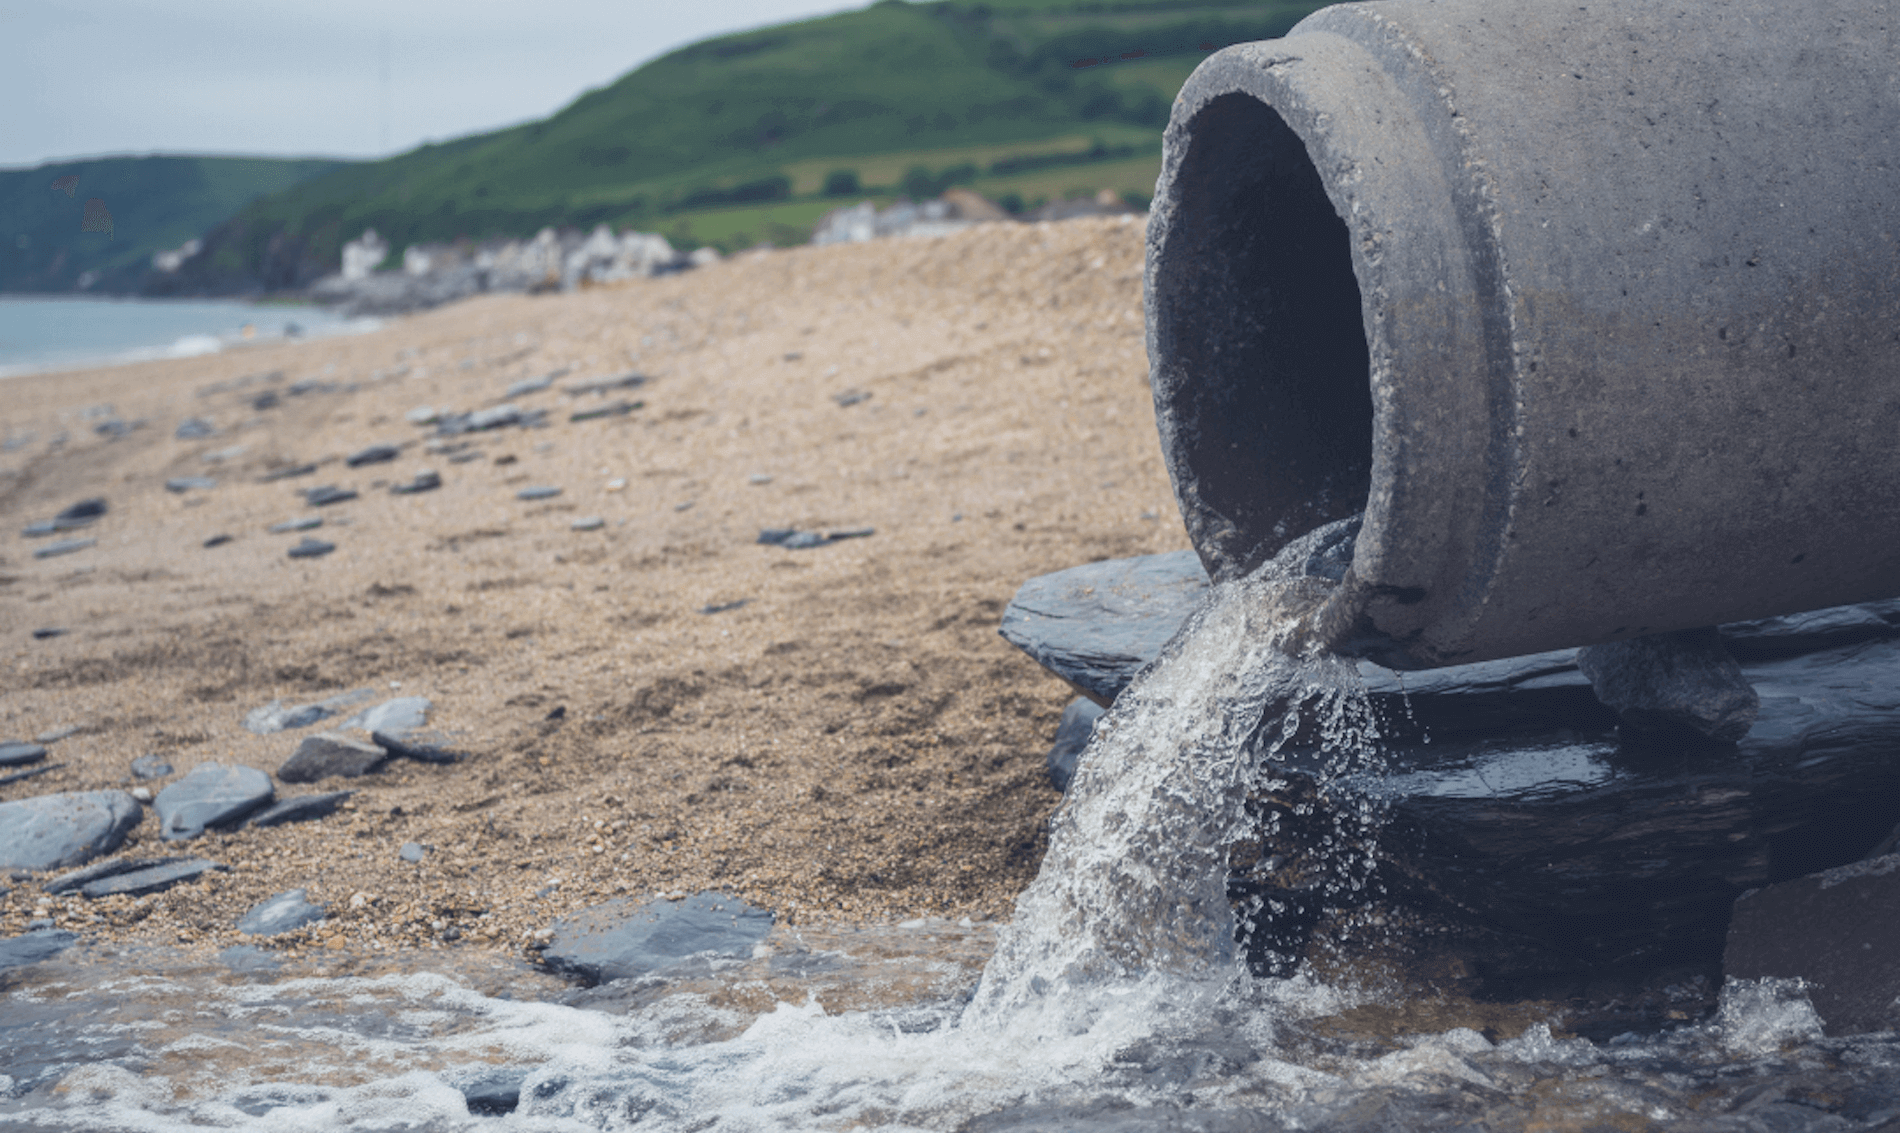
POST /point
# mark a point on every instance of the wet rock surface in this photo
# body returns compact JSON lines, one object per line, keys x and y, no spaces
{"x":212,"y":795}
{"x":625,"y":938}
{"x":1685,"y":682}
{"x":1095,"y":626}
{"x":64,"y":830}
{"x":1834,"y":930}
{"x":33,"y":947}
{"x":1072,"y":735}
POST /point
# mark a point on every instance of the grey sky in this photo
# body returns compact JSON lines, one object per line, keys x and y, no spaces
{"x":304,"y":77}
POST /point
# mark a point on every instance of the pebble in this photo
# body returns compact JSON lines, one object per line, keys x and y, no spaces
{"x":211,"y":795}
{"x":34,"y":947}
{"x":413,"y":852}
{"x":131,"y":877}
{"x":529,"y":385}
{"x":45,"y":632}
{"x":723,"y":606}
{"x":602,"y":385}
{"x":400,"y":748}
{"x":35,"y":773}
{"x":327,"y":754}
{"x":217,"y":541}
{"x":395,"y":717}
{"x":193,"y":429}
{"x":494,"y":1091}
{"x":311,"y":549}
{"x":288,"y":910}
{"x":612,"y":409}
{"x":617,"y":484}
{"x":287,"y":473}
{"x":63,"y":547}
{"x":266,"y":400}
{"x":58,"y":831}
{"x":182,"y":484}
{"x":301,"y":523}
{"x":759,"y":478}
{"x":326,"y":495}
{"x":150,"y":766}
{"x":375,"y":454}
{"x":538,"y":492}
{"x":223,"y":454}
{"x":275,"y":717}
{"x":588,"y":523}
{"x":425,"y":481}
{"x":16,"y":753}
{"x":850,"y":397}
{"x":623,"y":938}
{"x":302,"y":808}
{"x":54,"y":735}
{"x":422,"y":415}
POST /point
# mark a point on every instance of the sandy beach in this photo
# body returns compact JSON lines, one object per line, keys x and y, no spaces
{"x":846,"y":739}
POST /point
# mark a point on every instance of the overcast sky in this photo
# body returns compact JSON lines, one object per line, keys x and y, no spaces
{"x":305,"y":77}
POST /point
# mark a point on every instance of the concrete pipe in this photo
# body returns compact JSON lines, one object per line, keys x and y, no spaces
{"x":1593,"y":309}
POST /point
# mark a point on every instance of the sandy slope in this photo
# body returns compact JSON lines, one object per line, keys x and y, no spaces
{"x":855,"y":742}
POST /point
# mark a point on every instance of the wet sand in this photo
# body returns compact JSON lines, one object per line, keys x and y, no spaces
{"x":853,"y":743}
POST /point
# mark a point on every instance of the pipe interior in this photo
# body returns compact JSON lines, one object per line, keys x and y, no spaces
{"x":1262,"y":312}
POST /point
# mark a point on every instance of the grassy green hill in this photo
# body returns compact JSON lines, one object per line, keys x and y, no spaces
{"x":751,"y":137}
{"x":154,"y":203}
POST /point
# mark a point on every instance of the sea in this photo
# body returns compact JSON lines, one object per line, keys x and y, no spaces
{"x":40,"y":333}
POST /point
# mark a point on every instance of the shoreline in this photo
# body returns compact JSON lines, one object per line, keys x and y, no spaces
{"x":844,"y":740}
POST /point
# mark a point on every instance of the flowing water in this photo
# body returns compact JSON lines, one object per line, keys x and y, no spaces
{"x":1118,"y":996}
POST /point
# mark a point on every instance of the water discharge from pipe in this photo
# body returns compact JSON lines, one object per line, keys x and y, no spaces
{"x":1131,"y":909}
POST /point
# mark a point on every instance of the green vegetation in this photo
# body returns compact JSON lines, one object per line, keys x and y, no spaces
{"x":752,"y":137}
{"x":155,"y":203}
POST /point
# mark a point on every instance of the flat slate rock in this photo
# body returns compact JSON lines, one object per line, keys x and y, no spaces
{"x":374,"y":454}
{"x":311,"y":549}
{"x":278,"y":717}
{"x":34,"y":947}
{"x":77,"y":879}
{"x":301,"y":523}
{"x":328,"y":754}
{"x":395,"y":717}
{"x":150,"y":767}
{"x":424,"y":481}
{"x":1095,"y":626}
{"x":18,"y":753}
{"x":326,"y":495}
{"x":401,"y":747}
{"x":602,"y":385}
{"x":212,"y":795}
{"x":54,"y":735}
{"x":538,"y":492}
{"x":183,"y":484}
{"x":1835,"y":930}
{"x":627,"y":938}
{"x":155,"y":878}
{"x":63,"y":547}
{"x":64,"y":830}
{"x":303,"y":808}
{"x":287,"y":910}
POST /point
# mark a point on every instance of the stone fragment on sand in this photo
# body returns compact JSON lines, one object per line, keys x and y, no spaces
{"x":328,"y":754}
{"x":396,"y":716}
{"x":58,"y":831}
{"x":1835,"y":931}
{"x":588,"y":523}
{"x":428,"y":480}
{"x":217,"y":541}
{"x":80,"y":514}
{"x":538,"y":492}
{"x":301,"y":523}
{"x":625,"y":938}
{"x":326,"y":495}
{"x":288,"y":910}
{"x":44,"y":632}
{"x":1673,"y":682}
{"x":528,"y":385}
{"x":493,"y":1091}
{"x":18,"y":753}
{"x":311,"y":549}
{"x":286,"y":473}
{"x":212,"y":795}
{"x":266,"y":400}
{"x":412,"y":852}
{"x":602,"y":385}
{"x":152,"y":876}
{"x":611,"y":409}
{"x":34,"y":947}
{"x":303,"y":808}
{"x":1072,"y":735}
{"x":183,"y":484}
{"x":374,"y":454}
{"x":481,"y":420}
{"x":193,"y":429}
{"x":54,"y":735}
{"x":63,"y":547}
{"x":422,"y":415}
{"x":792,"y":539}
{"x":401,"y":748}
{"x":34,"y":773}
{"x":723,"y":607}
{"x":224,"y":454}
{"x":277,"y":717}
{"x":150,"y":766}
{"x":850,"y":397}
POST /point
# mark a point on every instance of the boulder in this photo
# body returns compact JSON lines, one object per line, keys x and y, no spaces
{"x":627,"y":938}
{"x":212,"y":795}
{"x":60,"y":831}
{"x":1833,"y":930}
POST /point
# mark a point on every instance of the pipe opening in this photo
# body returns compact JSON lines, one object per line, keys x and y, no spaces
{"x":1262,"y":355}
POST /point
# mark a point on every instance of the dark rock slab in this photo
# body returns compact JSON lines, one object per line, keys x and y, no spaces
{"x":150,"y":766}
{"x":18,"y":753}
{"x":74,"y":880}
{"x":424,"y":481}
{"x":326,"y":495}
{"x":311,"y":549}
{"x":217,"y":541}
{"x":303,"y":808}
{"x":63,"y":547}
{"x":183,"y":484}
{"x":396,"y":717}
{"x":1072,"y":735}
{"x":402,"y":748}
{"x":34,"y":947}
{"x":627,"y":938}
{"x":329,"y":754}
{"x":1836,"y":930}
{"x":212,"y":795}
{"x":81,"y":513}
{"x":45,"y":632}
{"x":538,"y":492}
{"x":59,"y":831}
{"x":34,"y":773}
{"x":494,"y":1090}
{"x":1667,"y":682}
{"x":374,"y":454}
{"x":1095,"y":626}
{"x":792,"y":539}
{"x":153,"y":878}
{"x":287,"y":910}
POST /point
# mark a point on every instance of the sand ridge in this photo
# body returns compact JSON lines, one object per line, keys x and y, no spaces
{"x":854,"y":742}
